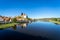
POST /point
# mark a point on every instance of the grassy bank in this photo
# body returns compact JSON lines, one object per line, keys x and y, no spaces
{"x":57,"y":22}
{"x":7,"y":25}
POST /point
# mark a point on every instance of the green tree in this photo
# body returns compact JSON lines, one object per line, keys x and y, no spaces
{"x":55,"y":19}
{"x":29,"y":18}
{"x":14,"y":20}
{"x":58,"y":20}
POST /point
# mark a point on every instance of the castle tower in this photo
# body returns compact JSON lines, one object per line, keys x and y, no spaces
{"x":23,"y":15}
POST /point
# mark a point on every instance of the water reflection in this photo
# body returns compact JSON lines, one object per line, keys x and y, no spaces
{"x":56,"y":23}
{"x":44,"y":29}
{"x":23,"y":25}
{"x":14,"y":27}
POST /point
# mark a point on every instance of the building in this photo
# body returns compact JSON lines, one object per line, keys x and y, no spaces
{"x":22,"y":17}
{"x":5,"y":19}
{"x":1,"y":19}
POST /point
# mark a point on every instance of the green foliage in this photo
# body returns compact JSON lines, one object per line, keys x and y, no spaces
{"x":55,"y":19}
{"x":14,"y":20}
{"x":58,"y":20}
{"x":29,"y":18}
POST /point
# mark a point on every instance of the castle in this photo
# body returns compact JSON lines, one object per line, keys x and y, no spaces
{"x":22,"y":17}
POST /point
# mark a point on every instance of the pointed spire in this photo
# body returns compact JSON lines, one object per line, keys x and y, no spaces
{"x":22,"y":13}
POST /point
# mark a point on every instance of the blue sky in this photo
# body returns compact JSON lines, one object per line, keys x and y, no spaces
{"x":33,"y":8}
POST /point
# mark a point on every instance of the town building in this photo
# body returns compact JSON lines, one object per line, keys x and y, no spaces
{"x":4,"y":19}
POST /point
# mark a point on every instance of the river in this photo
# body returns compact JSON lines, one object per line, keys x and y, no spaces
{"x":46,"y":30}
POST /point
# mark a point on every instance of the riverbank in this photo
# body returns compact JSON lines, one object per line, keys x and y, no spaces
{"x":7,"y":25}
{"x":56,"y":22}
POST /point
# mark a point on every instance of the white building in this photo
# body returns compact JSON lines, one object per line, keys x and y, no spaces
{"x":1,"y":19}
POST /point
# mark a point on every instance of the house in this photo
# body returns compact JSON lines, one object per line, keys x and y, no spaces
{"x":4,"y":19}
{"x":7,"y":19}
{"x":1,"y":19}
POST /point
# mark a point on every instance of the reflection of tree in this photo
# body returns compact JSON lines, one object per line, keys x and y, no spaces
{"x":14,"y":27}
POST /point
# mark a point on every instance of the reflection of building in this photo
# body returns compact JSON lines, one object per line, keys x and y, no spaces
{"x":23,"y":25}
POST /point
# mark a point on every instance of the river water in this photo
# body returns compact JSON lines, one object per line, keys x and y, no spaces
{"x":47,"y":30}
